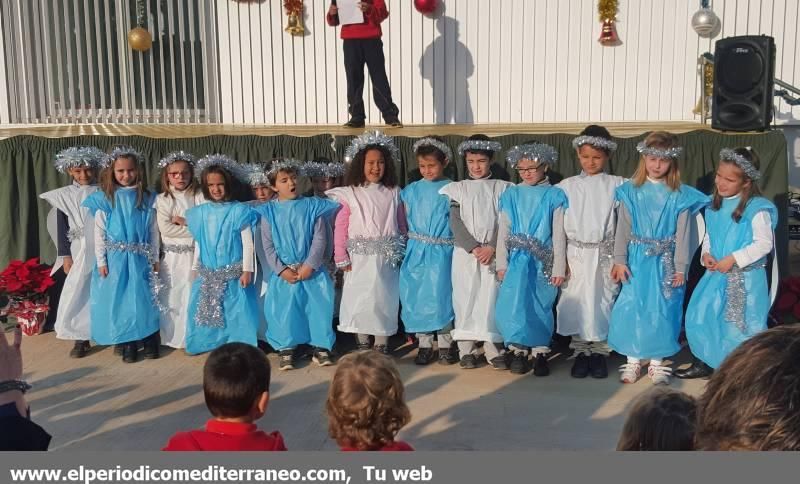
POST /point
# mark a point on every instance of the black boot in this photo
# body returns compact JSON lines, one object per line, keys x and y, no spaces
{"x":597,"y":366}
{"x":129,"y":352}
{"x":151,"y":343}
{"x":697,"y":370}
{"x":540,"y":367}
{"x":80,"y":349}
{"x":580,"y":369}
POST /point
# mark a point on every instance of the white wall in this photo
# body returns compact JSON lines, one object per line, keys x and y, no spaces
{"x":498,"y":61}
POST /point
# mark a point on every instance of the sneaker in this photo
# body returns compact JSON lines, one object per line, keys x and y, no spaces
{"x":130,"y":352}
{"x":394,"y":123}
{"x":382,"y":349}
{"x":597,"y":366}
{"x":519,"y":364}
{"x":354,"y":123}
{"x":659,"y":374}
{"x":468,"y":362}
{"x":286,"y":360}
{"x":80,"y":349}
{"x":499,"y":362}
{"x":322,"y":357}
{"x":151,"y":350}
{"x":540,"y":367}
{"x":630,"y":372}
{"x":580,"y":368}
{"x":448,"y":356}
{"x":424,"y":356}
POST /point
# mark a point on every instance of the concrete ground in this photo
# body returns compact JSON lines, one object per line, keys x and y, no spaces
{"x":100,"y":403}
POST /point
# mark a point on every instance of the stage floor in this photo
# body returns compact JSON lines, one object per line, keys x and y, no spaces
{"x":99,"y":403}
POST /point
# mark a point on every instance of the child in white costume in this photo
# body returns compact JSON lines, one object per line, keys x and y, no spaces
{"x":474,"y":222}
{"x":179,"y":193}
{"x":589,"y":223}
{"x":73,"y":238}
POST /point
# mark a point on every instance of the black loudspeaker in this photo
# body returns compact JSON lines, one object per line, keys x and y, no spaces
{"x":744,"y":76}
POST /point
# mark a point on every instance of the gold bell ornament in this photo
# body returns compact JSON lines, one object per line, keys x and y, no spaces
{"x":607,"y":11}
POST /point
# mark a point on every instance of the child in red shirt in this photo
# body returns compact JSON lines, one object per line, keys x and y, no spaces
{"x":366,"y":404}
{"x":363,"y":45}
{"x":236,"y":388}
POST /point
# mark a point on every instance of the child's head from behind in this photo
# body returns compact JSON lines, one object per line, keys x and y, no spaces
{"x":373,"y":164}
{"x":737,"y":173}
{"x":751,"y":401}
{"x":366,"y":404}
{"x":216,"y":184}
{"x":659,"y":160}
{"x":284,"y":182}
{"x":660,"y":420}
{"x":594,"y":149}
{"x":83,"y":175}
{"x":236,"y":382}
{"x":432,"y":157}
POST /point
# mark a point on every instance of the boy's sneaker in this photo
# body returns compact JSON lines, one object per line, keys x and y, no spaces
{"x":322,"y":357}
{"x":630,"y":372}
{"x":540,"y":367}
{"x":519,"y":364}
{"x":382,"y":349}
{"x":424,"y":356}
{"x":468,"y":362}
{"x":598,"y":367}
{"x":580,"y":368}
{"x":448,"y":356}
{"x":659,"y":374}
{"x":499,"y":362}
{"x":80,"y":349}
{"x":286,"y":360}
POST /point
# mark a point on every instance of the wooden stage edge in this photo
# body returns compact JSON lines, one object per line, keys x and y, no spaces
{"x":198,"y":130}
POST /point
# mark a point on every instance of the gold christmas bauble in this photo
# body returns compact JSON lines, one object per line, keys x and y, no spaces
{"x":140,"y":39}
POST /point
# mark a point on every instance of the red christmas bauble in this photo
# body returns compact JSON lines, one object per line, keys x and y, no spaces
{"x":426,"y":6}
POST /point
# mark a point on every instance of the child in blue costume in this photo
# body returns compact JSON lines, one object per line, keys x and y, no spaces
{"x":223,"y":305}
{"x":123,"y":309}
{"x":526,"y":243}
{"x":651,"y":255}
{"x":299,"y":306}
{"x":731,"y":302}
{"x":262,"y":193}
{"x":426,"y":290}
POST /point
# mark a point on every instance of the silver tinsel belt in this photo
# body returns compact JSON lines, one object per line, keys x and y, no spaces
{"x":427,"y":239}
{"x":75,"y":234}
{"x":535,"y":247}
{"x":178,"y":248}
{"x":736,"y":294}
{"x":606,"y":247}
{"x":391,"y":247}
{"x":212,"y":289}
{"x":145,"y":250}
{"x":665,"y":249}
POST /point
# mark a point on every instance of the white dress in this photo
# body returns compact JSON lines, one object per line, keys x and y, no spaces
{"x":474,"y":284}
{"x":590,"y":221}
{"x":175,"y":270}
{"x":72,"y":319}
{"x":371,"y":292}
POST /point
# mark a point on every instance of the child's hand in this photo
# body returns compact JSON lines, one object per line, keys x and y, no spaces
{"x":709,"y":262}
{"x":178,"y":220}
{"x":103,"y":270}
{"x":289,"y":275}
{"x":333,"y":10}
{"x":246,"y":278}
{"x":556,"y":281}
{"x":67,"y":264}
{"x":620,"y":273}
{"x":678,"y":279}
{"x":304,"y":272}
{"x":726,"y":264}
{"x":483,"y":254}
{"x":501,"y":274}
{"x":364,"y":6}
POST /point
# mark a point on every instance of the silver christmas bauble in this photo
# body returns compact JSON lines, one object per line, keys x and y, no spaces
{"x":704,"y":22}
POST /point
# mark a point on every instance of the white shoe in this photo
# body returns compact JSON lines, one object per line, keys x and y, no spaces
{"x":630,"y":372}
{"x":659,"y":374}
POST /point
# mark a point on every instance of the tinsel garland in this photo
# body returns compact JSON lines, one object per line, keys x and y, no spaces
{"x":736,"y":294}
{"x":427,"y":239}
{"x":606,"y":249}
{"x":534,"y":247}
{"x":212,"y":289}
{"x":743,"y":163}
{"x":390,"y":247}
{"x":178,"y":248}
{"x":663,"y":248}
{"x":607,"y":9}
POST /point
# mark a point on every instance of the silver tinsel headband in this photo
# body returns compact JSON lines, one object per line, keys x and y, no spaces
{"x":79,"y":156}
{"x":119,"y":151}
{"x":371,"y":139}
{"x":282,"y":164}
{"x":478,"y":145}
{"x":448,"y":153}
{"x":324,"y":170}
{"x":595,"y":141}
{"x":544,"y":154}
{"x":223,"y":161}
{"x":671,"y":153}
{"x":177,"y":156}
{"x":256,"y":174}
{"x":746,"y":166}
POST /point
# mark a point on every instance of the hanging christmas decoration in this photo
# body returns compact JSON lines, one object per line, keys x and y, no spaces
{"x":703,"y":107}
{"x":705,"y":22}
{"x":607,"y":11}
{"x":139,"y":38}
{"x":294,"y":22}
{"x":426,"y":6}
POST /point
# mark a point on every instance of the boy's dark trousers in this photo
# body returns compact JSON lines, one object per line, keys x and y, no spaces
{"x":358,"y":52}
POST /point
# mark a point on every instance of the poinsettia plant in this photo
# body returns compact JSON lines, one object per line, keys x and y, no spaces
{"x":25,"y":285}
